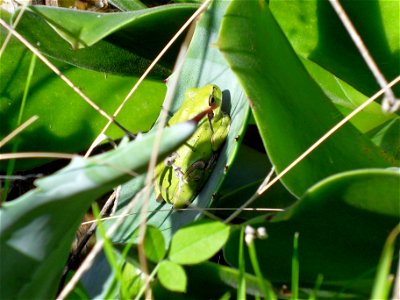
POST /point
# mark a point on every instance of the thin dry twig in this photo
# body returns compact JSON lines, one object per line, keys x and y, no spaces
{"x":20,"y":155}
{"x":255,"y":209}
{"x":252,"y":198}
{"x":389,"y":103}
{"x":18,"y":130}
{"x":8,"y":37}
{"x":88,"y":234}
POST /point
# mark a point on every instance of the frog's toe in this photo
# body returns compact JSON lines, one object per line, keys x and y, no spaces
{"x":180,"y":204}
{"x":159,"y":198}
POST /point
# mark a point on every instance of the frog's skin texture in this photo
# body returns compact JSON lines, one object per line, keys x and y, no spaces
{"x":181,"y":176}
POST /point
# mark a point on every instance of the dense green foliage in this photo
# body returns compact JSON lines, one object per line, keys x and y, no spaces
{"x":287,"y":69}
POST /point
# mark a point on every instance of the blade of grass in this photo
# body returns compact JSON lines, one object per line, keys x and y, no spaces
{"x":129,"y":244}
{"x":382,"y":282}
{"x":241,"y":291}
{"x":8,"y":37}
{"x":96,"y":249}
{"x":396,"y":288}
{"x":11,"y":163}
{"x":108,"y":248}
{"x":20,"y":128}
{"x":149,"y":278}
{"x":267,"y":291}
{"x":318,"y":283}
{"x":390,"y":103}
{"x":295,"y":267}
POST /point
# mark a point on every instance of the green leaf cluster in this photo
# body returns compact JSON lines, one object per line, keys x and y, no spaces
{"x":289,"y":73}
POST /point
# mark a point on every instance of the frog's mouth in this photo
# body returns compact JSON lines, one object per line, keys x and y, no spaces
{"x":208,"y":111}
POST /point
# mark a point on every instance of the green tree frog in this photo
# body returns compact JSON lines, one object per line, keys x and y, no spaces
{"x":181,"y":176}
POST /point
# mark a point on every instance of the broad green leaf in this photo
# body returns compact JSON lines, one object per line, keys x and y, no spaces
{"x":98,"y":280}
{"x":316,"y":33}
{"x":290,"y":109}
{"x":343,"y":222}
{"x":203,"y":65}
{"x":217,"y":278}
{"x":221,"y":279}
{"x":79,"y":291}
{"x":38,"y":228}
{"x":66,"y":123}
{"x":245,"y":176}
{"x":133,"y":280}
{"x":172,"y":276}
{"x":85,"y":28}
{"x":187,"y":1}
{"x":346,"y":99}
{"x":154,"y":244}
{"x":388,"y":138}
{"x":127,"y":5}
{"x":198,"y":242}
{"x":120,"y":43}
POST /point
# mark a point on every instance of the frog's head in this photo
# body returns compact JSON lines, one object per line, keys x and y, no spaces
{"x":209,"y":100}
{"x":203,"y":98}
{"x":212,"y":96}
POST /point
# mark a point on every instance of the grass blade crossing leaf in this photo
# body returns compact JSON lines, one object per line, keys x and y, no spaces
{"x":37,"y":229}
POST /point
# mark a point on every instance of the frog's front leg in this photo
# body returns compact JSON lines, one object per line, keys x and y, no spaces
{"x":210,"y":117}
{"x":219,"y":129}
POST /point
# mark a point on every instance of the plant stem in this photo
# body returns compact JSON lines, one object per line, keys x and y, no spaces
{"x":295,"y":267}
{"x":268,"y":294}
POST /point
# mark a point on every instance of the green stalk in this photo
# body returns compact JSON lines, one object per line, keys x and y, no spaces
{"x":108,"y":249}
{"x":11,"y":163}
{"x":318,"y":283}
{"x":295,"y":267}
{"x":382,"y":282}
{"x":241,"y":291}
{"x":123,"y":258}
{"x":150,"y":278}
{"x":268,"y":294}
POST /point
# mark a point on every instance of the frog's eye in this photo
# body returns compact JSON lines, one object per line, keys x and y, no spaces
{"x":211,"y":100}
